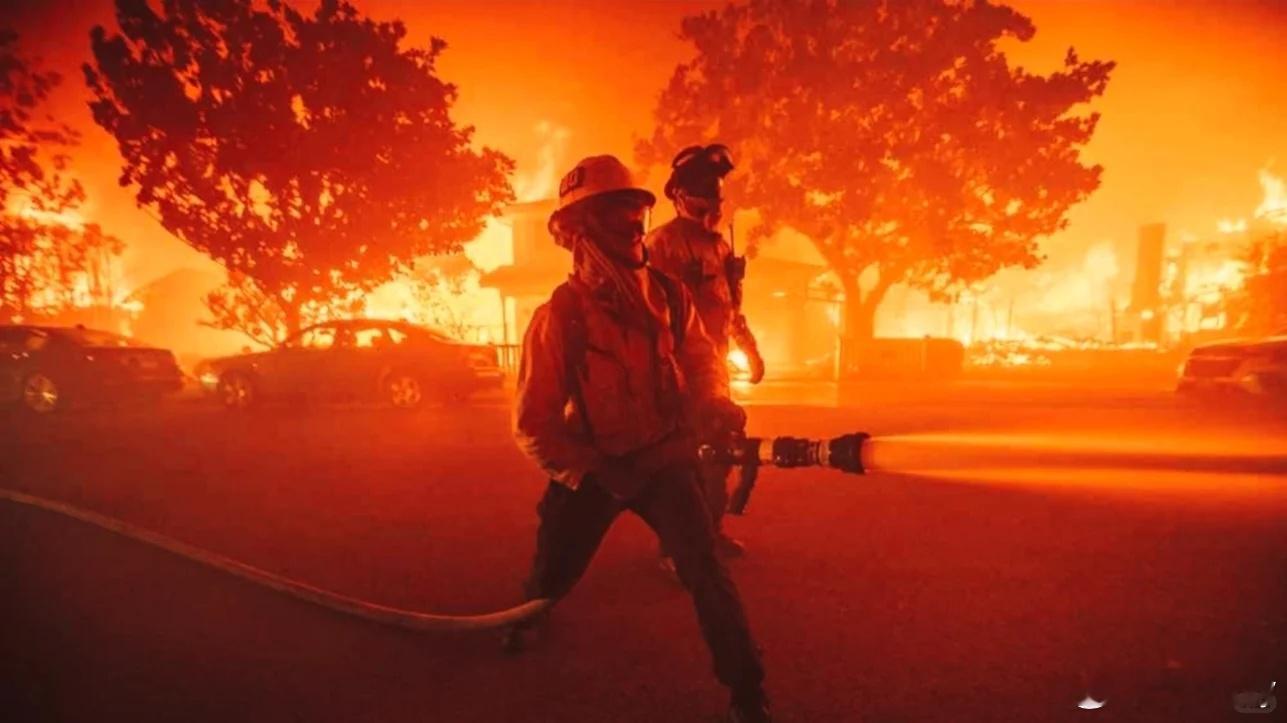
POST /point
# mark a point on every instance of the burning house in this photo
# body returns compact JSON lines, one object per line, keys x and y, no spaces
{"x":1192,"y":290}
{"x":536,"y":267}
{"x":794,"y":313}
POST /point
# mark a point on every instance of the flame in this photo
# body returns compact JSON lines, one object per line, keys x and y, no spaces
{"x":1273,"y":207}
{"x":470,"y":313}
{"x":394,"y":300}
{"x":101,"y":284}
{"x":494,"y":246}
{"x":1204,"y":270}
{"x":71,"y":219}
{"x":541,"y":182}
{"x":1208,"y":282}
{"x":1225,"y":225}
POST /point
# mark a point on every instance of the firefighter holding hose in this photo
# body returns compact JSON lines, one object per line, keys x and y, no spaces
{"x":691,"y":249}
{"x":618,"y":379}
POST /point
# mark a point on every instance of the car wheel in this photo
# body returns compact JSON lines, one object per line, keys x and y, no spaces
{"x":404,"y":390}
{"x":41,"y":394}
{"x":237,"y":391}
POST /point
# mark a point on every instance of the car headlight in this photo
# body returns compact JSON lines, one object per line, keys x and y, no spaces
{"x":209,"y":379}
{"x":1251,"y":383}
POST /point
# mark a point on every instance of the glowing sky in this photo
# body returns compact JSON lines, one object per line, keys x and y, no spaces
{"x":1197,"y":105}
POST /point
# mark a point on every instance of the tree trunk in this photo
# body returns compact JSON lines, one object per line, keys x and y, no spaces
{"x":860,"y":321}
{"x":290,"y":310}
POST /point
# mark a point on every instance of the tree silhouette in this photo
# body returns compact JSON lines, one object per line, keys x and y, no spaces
{"x":310,"y":155}
{"x":48,"y":262}
{"x":895,"y":135}
{"x":435,"y":285}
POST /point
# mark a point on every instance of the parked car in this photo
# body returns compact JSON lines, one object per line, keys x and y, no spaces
{"x":359,"y":360}
{"x":44,"y":369}
{"x":1255,"y":366}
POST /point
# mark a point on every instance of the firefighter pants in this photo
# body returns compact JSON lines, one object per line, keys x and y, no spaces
{"x":715,"y":487}
{"x":573,"y":523}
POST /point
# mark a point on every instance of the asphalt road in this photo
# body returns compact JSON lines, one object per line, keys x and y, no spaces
{"x":1050,"y":544}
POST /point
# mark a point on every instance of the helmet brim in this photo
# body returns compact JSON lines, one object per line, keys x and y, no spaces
{"x":642,"y":195}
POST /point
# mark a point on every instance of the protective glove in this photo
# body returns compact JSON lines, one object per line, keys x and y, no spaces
{"x":719,"y":416}
{"x":680,"y":448}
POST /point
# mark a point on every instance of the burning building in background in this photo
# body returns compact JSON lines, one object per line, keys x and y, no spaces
{"x":1205,"y":287}
{"x":794,"y":311}
{"x":1172,"y":291}
{"x":1154,"y":127}
{"x":58,"y":269}
{"x":535,"y":268}
{"x":1182,"y":289}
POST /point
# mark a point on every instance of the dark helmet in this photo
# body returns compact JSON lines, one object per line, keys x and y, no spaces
{"x":699,"y":171}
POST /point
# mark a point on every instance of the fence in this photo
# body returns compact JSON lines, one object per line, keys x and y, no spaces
{"x":507,"y":356}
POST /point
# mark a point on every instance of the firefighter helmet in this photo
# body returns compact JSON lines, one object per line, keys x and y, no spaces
{"x":597,"y":176}
{"x":699,"y":171}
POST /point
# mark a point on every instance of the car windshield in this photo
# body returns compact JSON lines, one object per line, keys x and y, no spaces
{"x":93,"y":337}
{"x":328,"y":336}
{"x":317,"y":338}
{"x":422,"y":333}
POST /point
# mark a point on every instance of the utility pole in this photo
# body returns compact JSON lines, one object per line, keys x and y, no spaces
{"x":974,"y":319}
{"x":1112,"y":318}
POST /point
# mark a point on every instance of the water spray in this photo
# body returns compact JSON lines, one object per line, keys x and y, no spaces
{"x":944,"y":453}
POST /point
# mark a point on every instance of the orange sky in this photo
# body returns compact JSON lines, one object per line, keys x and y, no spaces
{"x":1197,"y":104}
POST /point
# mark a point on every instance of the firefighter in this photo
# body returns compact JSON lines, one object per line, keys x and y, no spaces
{"x":616,"y":382}
{"x":691,"y":249}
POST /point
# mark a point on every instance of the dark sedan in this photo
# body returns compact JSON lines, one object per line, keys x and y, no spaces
{"x":44,"y":369}
{"x":356,"y":360}
{"x":1255,"y":366}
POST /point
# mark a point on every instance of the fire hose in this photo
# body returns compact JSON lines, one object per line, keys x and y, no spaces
{"x":410,"y":619}
{"x":843,"y":453}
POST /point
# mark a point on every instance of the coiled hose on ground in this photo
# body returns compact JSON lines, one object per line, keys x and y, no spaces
{"x":410,"y":619}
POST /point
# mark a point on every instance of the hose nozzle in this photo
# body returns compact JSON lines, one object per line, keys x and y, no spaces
{"x":843,"y":453}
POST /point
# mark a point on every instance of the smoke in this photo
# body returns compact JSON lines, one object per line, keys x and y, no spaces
{"x":1084,"y":287}
{"x":541,"y":182}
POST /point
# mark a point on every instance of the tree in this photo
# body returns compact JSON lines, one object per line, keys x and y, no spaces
{"x":48,"y":263}
{"x":895,"y":135}
{"x":49,"y":267}
{"x":312,"y":156}
{"x":436,"y":284}
{"x":68,"y":266}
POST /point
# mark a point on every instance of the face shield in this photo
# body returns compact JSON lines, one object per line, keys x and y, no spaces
{"x":617,"y":223}
{"x":696,"y":182}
